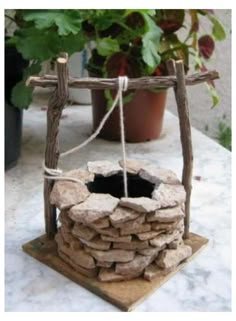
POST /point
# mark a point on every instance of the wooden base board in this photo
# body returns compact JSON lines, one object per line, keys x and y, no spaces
{"x":126,"y":294}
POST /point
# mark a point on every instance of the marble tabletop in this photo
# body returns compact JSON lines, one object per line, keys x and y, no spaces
{"x":203,"y":285}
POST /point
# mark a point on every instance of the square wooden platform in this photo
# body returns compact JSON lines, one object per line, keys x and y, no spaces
{"x":125,"y":295}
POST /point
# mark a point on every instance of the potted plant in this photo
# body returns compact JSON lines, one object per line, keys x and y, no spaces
{"x":39,"y":36}
{"x":26,"y":46}
{"x":128,"y":42}
{"x":138,"y":43}
{"x":14,"y":67}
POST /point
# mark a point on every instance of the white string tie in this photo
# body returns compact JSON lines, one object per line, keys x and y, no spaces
{"x":123,"y":85}
{"x":123,"y":82}
{"x":57,"y":174}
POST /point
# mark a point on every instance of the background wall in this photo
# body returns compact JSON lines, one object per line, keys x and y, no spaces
{"x":203,"y":117}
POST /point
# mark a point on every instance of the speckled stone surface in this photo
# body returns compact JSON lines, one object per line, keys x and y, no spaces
{"x":203,"y":285}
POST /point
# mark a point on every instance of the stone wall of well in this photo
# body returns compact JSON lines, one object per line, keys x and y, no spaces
{"x":116,"y":239}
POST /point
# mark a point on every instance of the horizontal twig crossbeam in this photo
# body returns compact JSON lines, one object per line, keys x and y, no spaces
{"x":112,"y":83}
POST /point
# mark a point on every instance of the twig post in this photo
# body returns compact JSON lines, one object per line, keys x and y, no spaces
{"x":177,"y":68}
{"x":55,"y":106}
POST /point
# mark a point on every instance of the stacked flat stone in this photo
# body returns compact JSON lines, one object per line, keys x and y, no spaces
{"x":120,"y":239}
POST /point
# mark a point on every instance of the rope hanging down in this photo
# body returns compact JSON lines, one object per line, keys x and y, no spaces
{"x":57,"y":174}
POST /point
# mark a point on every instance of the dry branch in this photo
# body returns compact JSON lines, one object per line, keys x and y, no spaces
{"x":112,"y":83}
{"x":55,"y":106}
{"x":185,"y":135}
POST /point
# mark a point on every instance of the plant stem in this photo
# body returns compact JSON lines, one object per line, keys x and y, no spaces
{"x":10,"y":18}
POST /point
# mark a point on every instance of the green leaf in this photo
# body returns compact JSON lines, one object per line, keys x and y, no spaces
{"x":32,"y":69}
{"x":150,"y":12}
{"x":42,"y":18}
{"x":151,"y":41}
{"x":198,"y":62}
{"x":224,"y":135}
{"x":66,"y":21}
{"x":172,"y":48}
{"x":11,"y":41}
{"x":218,"y":30}
{"x":21,"y":96}
{"x":42,"y":45}
{"x":102,"y":19}
{"x":67,"y":25}
{"x":214,"y":95}
{"x":109,"y":98}
{"x":150,"y":55}
{"x":127,"y":98}
{"x":168,"y":42}
{"x":72,"y":43}
{"x":107,"y":46}
{"x":37,"y":44}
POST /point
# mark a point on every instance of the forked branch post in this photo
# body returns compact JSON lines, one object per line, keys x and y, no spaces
{"x":56,"y":104}
{"x":177,"y":68}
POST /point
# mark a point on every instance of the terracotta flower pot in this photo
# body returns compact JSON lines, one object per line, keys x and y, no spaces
{"x":143,"y":116}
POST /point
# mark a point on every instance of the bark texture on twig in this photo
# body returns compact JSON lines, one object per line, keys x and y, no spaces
{"x":185,"y":135}
{"x":55,"y":106}
{"x":112,"y":83}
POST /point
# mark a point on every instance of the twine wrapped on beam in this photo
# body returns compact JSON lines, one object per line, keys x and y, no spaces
{"x":112,"y":83}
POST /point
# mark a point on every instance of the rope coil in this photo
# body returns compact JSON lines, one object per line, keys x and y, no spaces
{"x":57,"y":174}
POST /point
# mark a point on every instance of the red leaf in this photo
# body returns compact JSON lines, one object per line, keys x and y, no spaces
{"x":206,"y":46}
{"x":120,"y":64}
{"x":161,"y":70}
{"x":135,"y":20}
{"x":171,"y":20}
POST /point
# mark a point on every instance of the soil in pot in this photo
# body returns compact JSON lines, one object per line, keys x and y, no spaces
{"x":143,"y":116}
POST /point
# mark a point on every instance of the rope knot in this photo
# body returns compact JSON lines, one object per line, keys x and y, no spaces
{"x":52,"y":171}
{"x":123,"y":83}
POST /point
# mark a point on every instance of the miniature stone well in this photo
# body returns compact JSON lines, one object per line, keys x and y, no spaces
{"x":103,"y":236}
{"x":113,"y":238}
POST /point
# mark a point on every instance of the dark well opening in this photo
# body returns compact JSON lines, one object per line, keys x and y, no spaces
{"x":114,"y":186}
